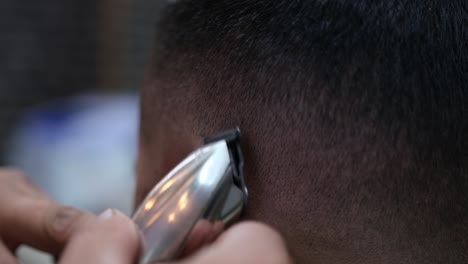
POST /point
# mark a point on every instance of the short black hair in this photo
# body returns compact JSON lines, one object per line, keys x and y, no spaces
{"x":391,"y":61}
{"x":373,"y":74}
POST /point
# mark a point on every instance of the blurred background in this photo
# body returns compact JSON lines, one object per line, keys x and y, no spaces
{"x":69,"y":78}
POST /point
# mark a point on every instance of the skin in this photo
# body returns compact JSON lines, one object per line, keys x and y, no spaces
{"x":329,"y":191}
{"x":353,"y":119}
{"x":28,"y":216}
{"x":268,"y":175}
{"x":122,"y":246}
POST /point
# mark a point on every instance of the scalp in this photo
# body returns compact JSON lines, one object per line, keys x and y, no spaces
{"x":353,"y":113}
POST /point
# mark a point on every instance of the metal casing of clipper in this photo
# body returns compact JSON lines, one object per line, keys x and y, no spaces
{"x":208,"y":184}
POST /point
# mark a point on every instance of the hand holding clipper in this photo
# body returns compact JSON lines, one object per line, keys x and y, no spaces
{"x":208,"y":184}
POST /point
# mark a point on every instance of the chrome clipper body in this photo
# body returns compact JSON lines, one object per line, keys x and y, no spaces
{"x":208,"y":184}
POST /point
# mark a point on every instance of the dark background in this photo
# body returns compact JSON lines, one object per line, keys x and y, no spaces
{"x":53,"y":49}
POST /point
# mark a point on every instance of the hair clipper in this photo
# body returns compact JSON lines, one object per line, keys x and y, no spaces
{"x":208,"y":184}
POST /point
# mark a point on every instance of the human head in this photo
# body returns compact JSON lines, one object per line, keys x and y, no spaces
{"x":353,"y":118}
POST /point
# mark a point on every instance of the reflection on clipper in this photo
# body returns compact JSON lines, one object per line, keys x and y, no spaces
{"x":183,"y":201}
{"x":149,"y":204}
{"x":153,"y":219}
{"x":171,"y":218}
{"x":196,"y":189}
{"x":167,"y":185}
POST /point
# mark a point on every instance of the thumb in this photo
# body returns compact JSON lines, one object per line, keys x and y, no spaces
{"x":248,"y":243}
{"x":111,"y":238}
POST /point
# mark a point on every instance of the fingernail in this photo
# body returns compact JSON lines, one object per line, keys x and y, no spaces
{"x":64,"y":219}
{"x":107,"y":214}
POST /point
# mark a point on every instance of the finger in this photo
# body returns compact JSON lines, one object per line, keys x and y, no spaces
{"x":247,"y":243}
{"x":5,"y":255}
{"x":112,"y":238}
{"x":44,"y":225}
{"x":203,"y":233}
{"x":28,"y":216}
{"x":218,"y":228}
{"x":17,"y":183}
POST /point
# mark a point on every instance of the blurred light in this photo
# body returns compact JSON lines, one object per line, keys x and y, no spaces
{"x":167,"y":185}
{"x":171,"y":218}
{"x":153,"y":218}
{"x":183,"y":201}
{"x":149,"y":204}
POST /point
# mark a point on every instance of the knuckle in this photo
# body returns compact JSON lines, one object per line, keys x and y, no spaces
{"x":63,"y":221}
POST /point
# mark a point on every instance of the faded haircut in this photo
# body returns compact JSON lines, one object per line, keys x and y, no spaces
{"x":381,"y":88}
